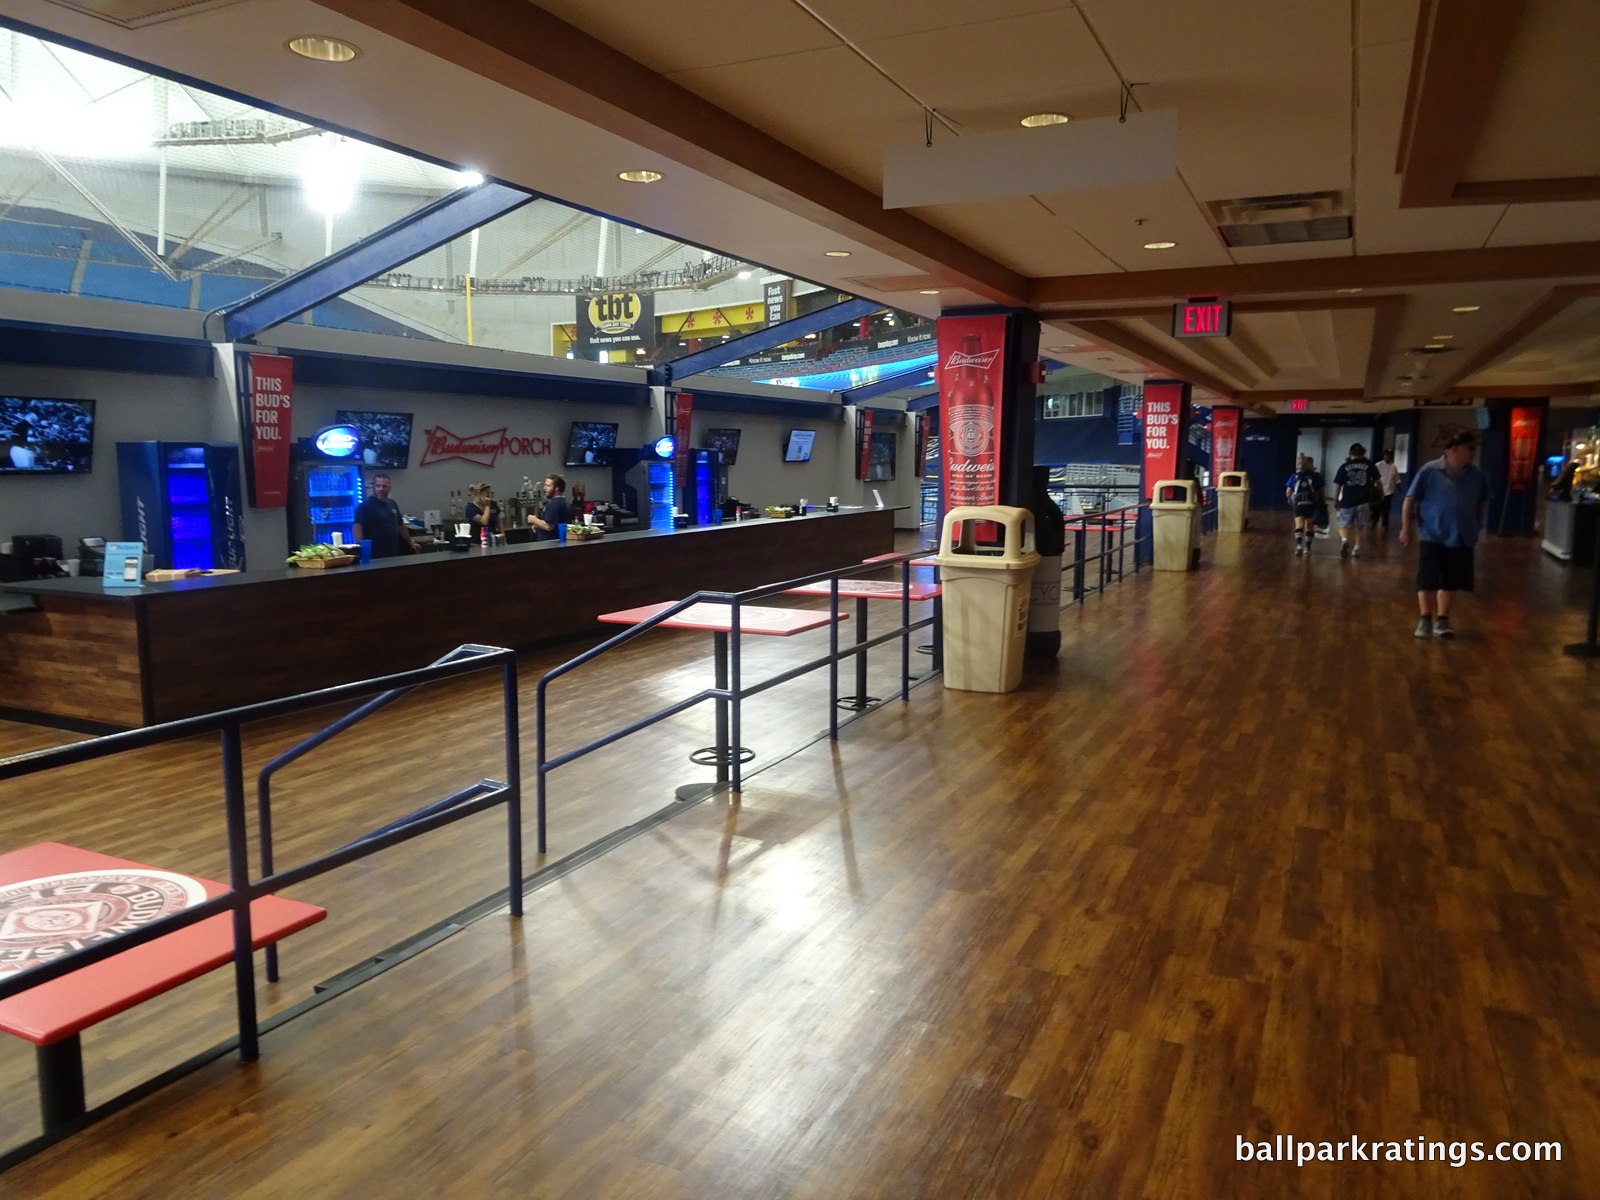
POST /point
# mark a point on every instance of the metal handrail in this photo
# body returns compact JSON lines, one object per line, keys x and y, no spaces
{"x":1107,"y":574}
{"x":726,"y":692}
{"x":242,"y":890}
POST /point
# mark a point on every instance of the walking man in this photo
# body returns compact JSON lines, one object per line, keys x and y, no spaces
{"x":1357,"y":486}
{"x":1304,"y":491}
{"x":1389,"y":480}
{"x":1444,"y":511}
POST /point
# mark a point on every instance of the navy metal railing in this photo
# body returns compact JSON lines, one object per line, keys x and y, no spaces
{"x":728,"y":691}
{"x":1208,"y":511}
{"x":243,"y":890}
{"x":1115,"y":534}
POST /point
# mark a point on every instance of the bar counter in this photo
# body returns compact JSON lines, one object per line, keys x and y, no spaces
{"x":95,"y":658}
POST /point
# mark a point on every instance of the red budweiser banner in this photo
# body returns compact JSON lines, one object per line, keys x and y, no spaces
{"x":1524,"y":446}
{"x":1225,"y":439}
{"x":863,"y":442}
{"x":920,"y":455}
{"x":971,"y":379}
{"x":1166,"y":413}
{"x":682,"y":419}
{"x":268,"y":407}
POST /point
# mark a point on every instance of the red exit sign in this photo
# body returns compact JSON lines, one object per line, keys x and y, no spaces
{"x":1299,"y":405}
{"x":1202,"y":316}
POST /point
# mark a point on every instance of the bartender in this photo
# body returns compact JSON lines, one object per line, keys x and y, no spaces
{"x":483,"y":510}
{"x":556,"y":510}
{"x":379,"y":521}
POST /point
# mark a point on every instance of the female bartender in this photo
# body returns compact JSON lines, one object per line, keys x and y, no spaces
{"x":483,"y":510}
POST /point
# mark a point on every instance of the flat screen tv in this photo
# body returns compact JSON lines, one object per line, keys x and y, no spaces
{"x":880,"y":458}
{"x":724,"y":441}
{"x":798,"y":446}
{"x":385,"y":437}
{"x":46,"y":437}
{"x":590,"y":444}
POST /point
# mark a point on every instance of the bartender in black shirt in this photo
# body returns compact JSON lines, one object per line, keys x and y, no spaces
{"x":379,"y":521}
{"x":556,"y":510}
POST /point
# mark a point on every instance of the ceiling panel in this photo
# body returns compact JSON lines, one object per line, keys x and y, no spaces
{"x":1109,"y":219}
{"x":1021,"y":233}
{"x":1179,"y":39}
{"x":871,"y":20}
{"x":1379,"y":21}
{"x":1567,"y":350}
{"x":1544,"y":121}
{"x":679,"y":35}
{"x":1293,"y":251}
{"x":1535,"y":224}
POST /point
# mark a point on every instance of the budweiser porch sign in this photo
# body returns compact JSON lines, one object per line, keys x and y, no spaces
{"x":480,"y":449}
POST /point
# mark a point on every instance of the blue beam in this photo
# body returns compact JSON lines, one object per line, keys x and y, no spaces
{"x":426,"y":229}
{"x":923,"y":400}
{"x":763,"y":339}
{"x":888,"y":383}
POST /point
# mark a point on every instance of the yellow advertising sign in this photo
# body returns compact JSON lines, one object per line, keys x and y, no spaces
{"x":707,"y":321}
{"x":615,"y":313}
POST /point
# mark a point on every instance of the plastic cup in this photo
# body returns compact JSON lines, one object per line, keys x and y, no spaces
{"x":366,"y":550}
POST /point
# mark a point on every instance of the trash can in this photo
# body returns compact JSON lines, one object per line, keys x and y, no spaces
{"x":1233,"y":502}
{"x":985,"y":597}
{"x":1175,"y":524}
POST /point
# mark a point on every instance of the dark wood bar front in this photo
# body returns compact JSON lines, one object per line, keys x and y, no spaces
{"x":169,"y":650}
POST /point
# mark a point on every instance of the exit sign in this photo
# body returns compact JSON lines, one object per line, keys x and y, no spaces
{"x":1299,"y":405}
{"x":1202,"y":316}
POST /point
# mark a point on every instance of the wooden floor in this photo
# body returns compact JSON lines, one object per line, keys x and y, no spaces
{"x":1247,"y":860}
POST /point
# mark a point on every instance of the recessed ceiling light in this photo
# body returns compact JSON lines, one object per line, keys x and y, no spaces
{"x":1159,"y":245}
{"x":1434,"y":346}
{"x":1466,"y":308}
{"x":1039,"y":119}
{"x":837,"y":253}
{"x":639,"y":176}
{"x":1443,"y":337}
{"x":928,"y":292}
{"x":323,"y":49}
{"x":1350,"y":291}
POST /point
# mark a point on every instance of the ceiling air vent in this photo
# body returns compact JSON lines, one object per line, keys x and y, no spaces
{"x":134,"y":14}
{"x":1282,"y":220}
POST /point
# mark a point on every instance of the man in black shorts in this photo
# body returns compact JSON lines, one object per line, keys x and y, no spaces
{"x":1444,"y":510}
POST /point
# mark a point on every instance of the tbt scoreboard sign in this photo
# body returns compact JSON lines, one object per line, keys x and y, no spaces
{"x":616,"y":321}
{"x":1202,"y":317}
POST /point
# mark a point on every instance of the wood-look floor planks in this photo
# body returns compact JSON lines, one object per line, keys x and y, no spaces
{"x":1248,"y":861}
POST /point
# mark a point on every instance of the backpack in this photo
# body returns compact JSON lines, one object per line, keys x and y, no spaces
{"x":1305,"y":488}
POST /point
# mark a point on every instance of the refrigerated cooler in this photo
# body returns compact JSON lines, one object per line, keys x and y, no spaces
{"x":184,"y":501}
{"x":707,"y":488}
{"x":324,"y":493}
{"x":661,"y":494}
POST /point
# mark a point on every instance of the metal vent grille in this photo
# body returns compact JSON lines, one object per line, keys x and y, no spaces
{"x":1282,"y":220}
{"x":135,"y":14}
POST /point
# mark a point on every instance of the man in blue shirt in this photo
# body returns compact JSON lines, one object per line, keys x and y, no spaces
{"x":1444,"y":511}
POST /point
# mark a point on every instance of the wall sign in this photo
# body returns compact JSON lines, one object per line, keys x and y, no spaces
{"x":1524,"y":446}
{"x":1166,"y":412}
{"x":480,"y":449}
{"x":1225,"y":438}
{"x":777,"y":298}
{"x":616,"y":321}
{"x":269,"y":403}
{"x":682,"y":418}
{"x":971,"y":376}
{"x":1202,"y":317}
{"x":863,"y":442}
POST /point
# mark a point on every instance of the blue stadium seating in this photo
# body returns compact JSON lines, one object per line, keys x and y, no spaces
{"x":142,"y":285}
{"x":34,"y":273}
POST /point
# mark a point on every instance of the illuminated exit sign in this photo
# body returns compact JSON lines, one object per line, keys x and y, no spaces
{"x":1202,"y":316}
{"x":1299,"y":405}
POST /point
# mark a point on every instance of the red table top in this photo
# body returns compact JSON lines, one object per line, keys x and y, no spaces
{"x":774,"y":622}
{"x":96,"y":905}
{"x":868,"y":589}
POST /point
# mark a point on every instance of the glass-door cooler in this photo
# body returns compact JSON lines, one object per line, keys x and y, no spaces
{"x":184,"y":501}
{"x":324,"y":494}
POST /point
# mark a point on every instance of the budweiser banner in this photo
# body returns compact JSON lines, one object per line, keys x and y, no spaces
{"x":1524,"y":446}
{"x":682,"y":418}
{"x":971,"y":379}
{"x":863,"y":442}
{"x":1225,"y":439}
{"x":1166,"y":412}
{"x":269,"y":404}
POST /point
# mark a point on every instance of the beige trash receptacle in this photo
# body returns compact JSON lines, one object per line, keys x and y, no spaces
{"x":985,"y":598}
{"x":1175,"y":524}
{"x":1233,"y":502}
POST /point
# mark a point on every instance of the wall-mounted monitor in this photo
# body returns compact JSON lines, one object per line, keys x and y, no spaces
{"x":797,"y":447}
{"x":880,"y":460}
{"x":724,"y":441}
{"x":590,"y":444}
{"x":46,"y":437}
{"x":385,"y":437}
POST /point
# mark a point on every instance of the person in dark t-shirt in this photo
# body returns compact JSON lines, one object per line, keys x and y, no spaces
{"x":556,"y":510}
{"x":1304,"y":491}
{"x":1358,"y":485}
{"x":483,"y":513}
{"x":379,"y":521}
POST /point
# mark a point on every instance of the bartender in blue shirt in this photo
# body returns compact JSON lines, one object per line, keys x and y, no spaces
{"x":556,"y":510}
{"x":379,"y":521}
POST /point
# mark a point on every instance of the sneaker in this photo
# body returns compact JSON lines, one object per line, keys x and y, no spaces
{"x":1424,"y":627}
{"x":1441,"y":627}
{"x":1344,"y":549}
{"x":1355,"y":552}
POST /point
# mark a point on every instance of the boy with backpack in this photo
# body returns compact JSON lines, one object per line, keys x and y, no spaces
{"x":1304,"y":491}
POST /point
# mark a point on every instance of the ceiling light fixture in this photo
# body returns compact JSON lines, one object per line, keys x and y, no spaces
{"x":323,"y":49}
{"x":639,"y":176}
{"x":1159,"y":245}
{"x":1350,"y":291}
{"x":1466,"y":308}
{"x":468,"y":179}
{"x":1443,"y":337}
{"x":928,"y":292}
{"x":837,"y":253}
{"x":744,"y":274}
{"x":1038,"y":119}
{"x":1434,"y":346}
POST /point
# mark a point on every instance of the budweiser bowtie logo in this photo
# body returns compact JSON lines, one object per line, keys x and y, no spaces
{"x":480,"y":449}
{"x":984,"y":360}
